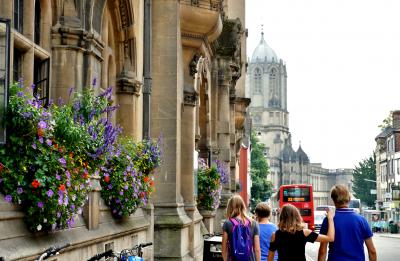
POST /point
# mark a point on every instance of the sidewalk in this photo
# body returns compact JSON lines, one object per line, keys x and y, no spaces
{"x":387,"y":235}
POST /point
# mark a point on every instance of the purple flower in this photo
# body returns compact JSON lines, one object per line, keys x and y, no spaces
{"x":8,"y":198}
{"x":50,"y":193}
{"x":109,"y":186}
{"x":58,"y":214}
{"x":70,"y":222}
{"x":48,"y":142}
{"x":58,"y":177}
{"x":34,"y":146}
{"x":41,"y":139}
{"x":20,"y":190}
{"x":68,"y":174}
{"x":42,"y":125}
{"x":40,"y":204}
{"x":27,"y":115}
{"x":46,"y":114}
{"x":121,"y":193}
{"x":68,"y":183}
{"x":70,"y":90}
{"x":126,"y":187}
{"x":72,"y":207}
{"x":62,"y":161}
{"x":94,"y":81}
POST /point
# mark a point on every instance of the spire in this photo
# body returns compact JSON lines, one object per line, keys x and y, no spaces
{"x":262,"y":33}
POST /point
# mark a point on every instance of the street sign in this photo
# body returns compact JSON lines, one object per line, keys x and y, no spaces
{"x":373,"y":191}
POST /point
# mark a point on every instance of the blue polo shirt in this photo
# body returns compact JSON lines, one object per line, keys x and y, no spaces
{"x":351,"y":230}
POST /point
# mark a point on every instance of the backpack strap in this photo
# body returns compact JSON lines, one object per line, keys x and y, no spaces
{"x":235,"y":222}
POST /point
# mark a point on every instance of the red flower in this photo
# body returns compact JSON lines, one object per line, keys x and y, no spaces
{"x":107,"y":179}
{"x":40,"y":132}
{"x":142,"y":194}
{"x":152,"y":183}
{"x":85,"y":175}
{"x":61,"y":187}
{"x":35,"y":184}
{"x":146,"y":179}
{"x":1,"y":167}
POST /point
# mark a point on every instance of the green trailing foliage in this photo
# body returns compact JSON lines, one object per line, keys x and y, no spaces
{"x":261,"y":189}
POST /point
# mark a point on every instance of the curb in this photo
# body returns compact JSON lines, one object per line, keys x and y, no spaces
{"x":397,"y":236}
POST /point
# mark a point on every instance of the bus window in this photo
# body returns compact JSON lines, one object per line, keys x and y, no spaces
{"x":296,"y":194}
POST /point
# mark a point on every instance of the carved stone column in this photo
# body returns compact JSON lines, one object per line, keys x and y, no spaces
{"x":228,"y":63}
{"x":170,"y":220}
{"x":223,"y":134}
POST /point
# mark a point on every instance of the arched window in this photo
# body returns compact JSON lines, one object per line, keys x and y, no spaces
{"x":37,"y":21}
{"x":257,"y":81}
{"x":274,"y":99}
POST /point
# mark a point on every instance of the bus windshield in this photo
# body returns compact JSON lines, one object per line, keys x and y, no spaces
{"x":296,"y":194}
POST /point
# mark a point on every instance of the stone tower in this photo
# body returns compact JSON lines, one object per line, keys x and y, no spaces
{"x":268,"y":109}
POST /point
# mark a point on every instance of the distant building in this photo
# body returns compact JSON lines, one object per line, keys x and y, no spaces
{"x":267,"y":81}
{"x":387,"y":155}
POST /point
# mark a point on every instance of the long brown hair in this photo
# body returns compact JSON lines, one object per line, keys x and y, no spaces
{"x":290,"y":219}
{"x":236,"y":207}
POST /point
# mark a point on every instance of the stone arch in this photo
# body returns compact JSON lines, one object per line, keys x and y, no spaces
{"x":111,"y":52}
{"x":204,"y":109}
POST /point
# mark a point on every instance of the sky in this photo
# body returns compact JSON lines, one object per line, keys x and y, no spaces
{"x":343,"y":66}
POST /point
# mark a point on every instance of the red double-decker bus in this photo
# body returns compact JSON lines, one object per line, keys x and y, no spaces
{"x":300,"y":196}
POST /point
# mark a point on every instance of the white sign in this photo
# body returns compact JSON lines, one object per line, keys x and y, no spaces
{"x":373,"y":191}
{"x":388,"y":195}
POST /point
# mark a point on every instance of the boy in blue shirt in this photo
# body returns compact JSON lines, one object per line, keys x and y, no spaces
{"x":263,"y":212}
{"x":351,"y":231}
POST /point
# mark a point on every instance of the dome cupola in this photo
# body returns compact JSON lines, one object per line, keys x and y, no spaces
{"x":264,"y":53}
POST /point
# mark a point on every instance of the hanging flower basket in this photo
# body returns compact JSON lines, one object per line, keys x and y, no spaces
{"x":210,"y":181}
{"x":126,"y":182}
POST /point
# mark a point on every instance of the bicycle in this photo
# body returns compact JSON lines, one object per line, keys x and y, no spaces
{"x":132,"y":254}
{"x":52,"y":251}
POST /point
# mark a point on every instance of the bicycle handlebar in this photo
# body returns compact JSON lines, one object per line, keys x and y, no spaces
{"x":146,"y":244}
{"x":108,"y":253}
{"x":51,"y":251}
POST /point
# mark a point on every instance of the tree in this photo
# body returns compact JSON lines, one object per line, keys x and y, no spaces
{"x":261,"y":189}
{"x":387,"y":122}
{"x":361,"y":187}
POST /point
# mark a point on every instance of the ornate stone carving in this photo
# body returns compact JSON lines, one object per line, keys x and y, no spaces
{"x":190,"y":98}
{"x":126,"y":84}
{"x":193,"y":65}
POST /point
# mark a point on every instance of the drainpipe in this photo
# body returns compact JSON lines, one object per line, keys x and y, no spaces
{"x":147,"y":69}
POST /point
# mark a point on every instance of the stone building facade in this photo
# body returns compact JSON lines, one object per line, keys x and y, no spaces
{"x":387,"y":156}
{"x":267,"y":81}
{"x":184,"y":82}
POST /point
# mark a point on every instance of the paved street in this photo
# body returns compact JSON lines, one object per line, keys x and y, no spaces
{"x":386,"y":246}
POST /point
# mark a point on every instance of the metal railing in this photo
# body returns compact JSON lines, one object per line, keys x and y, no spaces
{"x":215,"y":5}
